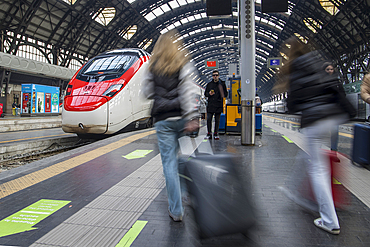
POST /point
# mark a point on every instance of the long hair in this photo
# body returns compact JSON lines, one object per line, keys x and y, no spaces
{"x":166,"y":57}
{"x":296,"y":49}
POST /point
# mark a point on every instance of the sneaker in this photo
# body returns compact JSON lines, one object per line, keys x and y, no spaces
{"x":216,"y":137}
{"x":174,"y":218}
{"x":320,"y":224}
{"x":208,"y":136}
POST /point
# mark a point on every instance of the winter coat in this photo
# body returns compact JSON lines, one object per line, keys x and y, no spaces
{"x":173,"y":96}
{"x":313,"y":92}
{"x":365,"y":89}
{"x":215,"y":102}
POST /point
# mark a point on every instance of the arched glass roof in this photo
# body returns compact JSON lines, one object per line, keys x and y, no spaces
{"x":71,"y":31}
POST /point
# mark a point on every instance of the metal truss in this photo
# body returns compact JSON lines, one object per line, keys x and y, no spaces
{"x":63,"y":32}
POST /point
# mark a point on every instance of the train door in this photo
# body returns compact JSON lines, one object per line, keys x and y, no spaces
{"x":120,"y":109}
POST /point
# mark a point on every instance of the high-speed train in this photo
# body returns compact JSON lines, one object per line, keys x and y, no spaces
{"x":105,"y":96}
{"x":275,"y":106}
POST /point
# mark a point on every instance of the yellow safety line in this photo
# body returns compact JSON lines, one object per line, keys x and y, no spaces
{"x":346,"y":135}
{"x":28,"y":180}
{"x":283,"y":120}
{"x":340,"y":133}
{"x":32,"y":138}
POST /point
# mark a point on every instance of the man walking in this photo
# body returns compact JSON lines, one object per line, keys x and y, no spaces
{"x":215,"y":92}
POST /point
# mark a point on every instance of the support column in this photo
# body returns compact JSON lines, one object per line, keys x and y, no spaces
{"x":247,"y":41}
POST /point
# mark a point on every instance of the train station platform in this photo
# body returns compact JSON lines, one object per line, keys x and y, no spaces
{"x":17,"y":123}
{"x":112,"y":193}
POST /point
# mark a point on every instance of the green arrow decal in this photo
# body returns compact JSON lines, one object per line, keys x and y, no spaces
{"x":137,"y":154}
{"x":23,"y":220}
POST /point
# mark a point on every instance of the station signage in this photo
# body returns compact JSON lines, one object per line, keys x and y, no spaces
{"x":211,"y":64}
{"x":274,"y":62}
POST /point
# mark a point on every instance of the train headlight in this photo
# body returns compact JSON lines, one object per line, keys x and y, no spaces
{"x":112,"y":90}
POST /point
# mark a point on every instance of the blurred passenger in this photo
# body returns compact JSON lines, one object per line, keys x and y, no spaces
{"x":168,"y":82}
{"x":365,"y":88}
{"x":329,"y":69}
{"x":317,"y":96}
{"x":215,"y":92}
{"x":258,"y":104}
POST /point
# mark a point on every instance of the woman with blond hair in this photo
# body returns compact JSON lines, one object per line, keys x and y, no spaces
{"x":174,"y":110}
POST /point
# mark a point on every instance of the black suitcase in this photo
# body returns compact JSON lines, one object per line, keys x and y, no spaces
{"x":361,"y":145}
{"x":220,"y":202}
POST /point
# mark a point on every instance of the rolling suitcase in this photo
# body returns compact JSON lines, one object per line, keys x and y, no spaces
{"x":361,"y":145}
{"x":221,"y":204}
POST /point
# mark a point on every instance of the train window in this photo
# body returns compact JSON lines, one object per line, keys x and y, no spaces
{"x":108,"y":65}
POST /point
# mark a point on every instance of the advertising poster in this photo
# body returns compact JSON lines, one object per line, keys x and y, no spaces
{"x":40,"y":102}
{"x":25,"y":103}
{"x":54,"y":102}
{"x":33,"y":102}
{"x":47,"y":102}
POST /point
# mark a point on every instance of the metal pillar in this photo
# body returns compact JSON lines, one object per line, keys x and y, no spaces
{"x":247,"y":41}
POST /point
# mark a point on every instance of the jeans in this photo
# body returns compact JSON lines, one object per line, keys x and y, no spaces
{"x":318,"y":169}
{"x":168,"y":133}
{"x":209,"y":121}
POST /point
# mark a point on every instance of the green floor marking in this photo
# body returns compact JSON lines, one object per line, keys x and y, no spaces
{"x":273,"y":130}
{"x":288,"y":140}
{"x":23,"y":220}
{"x":137,"y":154}
{"x":132,"y":234}
{"x":336,"y":181}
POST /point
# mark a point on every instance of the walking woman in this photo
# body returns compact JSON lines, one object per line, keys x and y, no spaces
{"x":174,"y":110}
{"x":317,"y":96}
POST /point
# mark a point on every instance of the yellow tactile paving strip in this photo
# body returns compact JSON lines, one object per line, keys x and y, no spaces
{"x":28,"y":180}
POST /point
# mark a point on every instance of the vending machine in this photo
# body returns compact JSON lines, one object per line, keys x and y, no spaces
{"x":39,"y":100}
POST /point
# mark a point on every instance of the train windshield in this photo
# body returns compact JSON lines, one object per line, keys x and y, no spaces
{"x":110,"y":64}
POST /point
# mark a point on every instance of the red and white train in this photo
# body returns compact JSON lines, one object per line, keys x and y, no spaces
{"x":105,"y":96}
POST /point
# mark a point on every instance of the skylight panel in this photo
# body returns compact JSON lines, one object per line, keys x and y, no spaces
{"x":158,"y":11}
{"x":174,"y":4}
{"x":329,"y":7}
{"x":150,"y":16}
{"x":105,"y":16}
{"x":204,"y":15}
{"x":312,"y":24}
{"x":177,"y":23}
{"x":131,"y":1}
{"x":182,"y":2}
{"x":198,"y":16}
{"x":185,"y":20}
{"x":191,"y":18}
{"x":165,"y":8}
{"x":163,"y":31}
{"x":170,"y":27}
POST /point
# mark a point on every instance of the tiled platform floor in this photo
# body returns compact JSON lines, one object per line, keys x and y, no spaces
{"x":281,"y":222}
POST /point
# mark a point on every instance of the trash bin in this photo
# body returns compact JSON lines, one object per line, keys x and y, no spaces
{"x":17,"y":111}
{"x":13,"y":111}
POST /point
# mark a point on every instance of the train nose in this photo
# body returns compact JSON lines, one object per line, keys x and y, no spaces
{"x":81,"y":126}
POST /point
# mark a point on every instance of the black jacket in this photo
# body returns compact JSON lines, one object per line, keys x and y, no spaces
{"x":166,"y":101}
{"x":215,"y":102}
{"x":313,"y":92}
